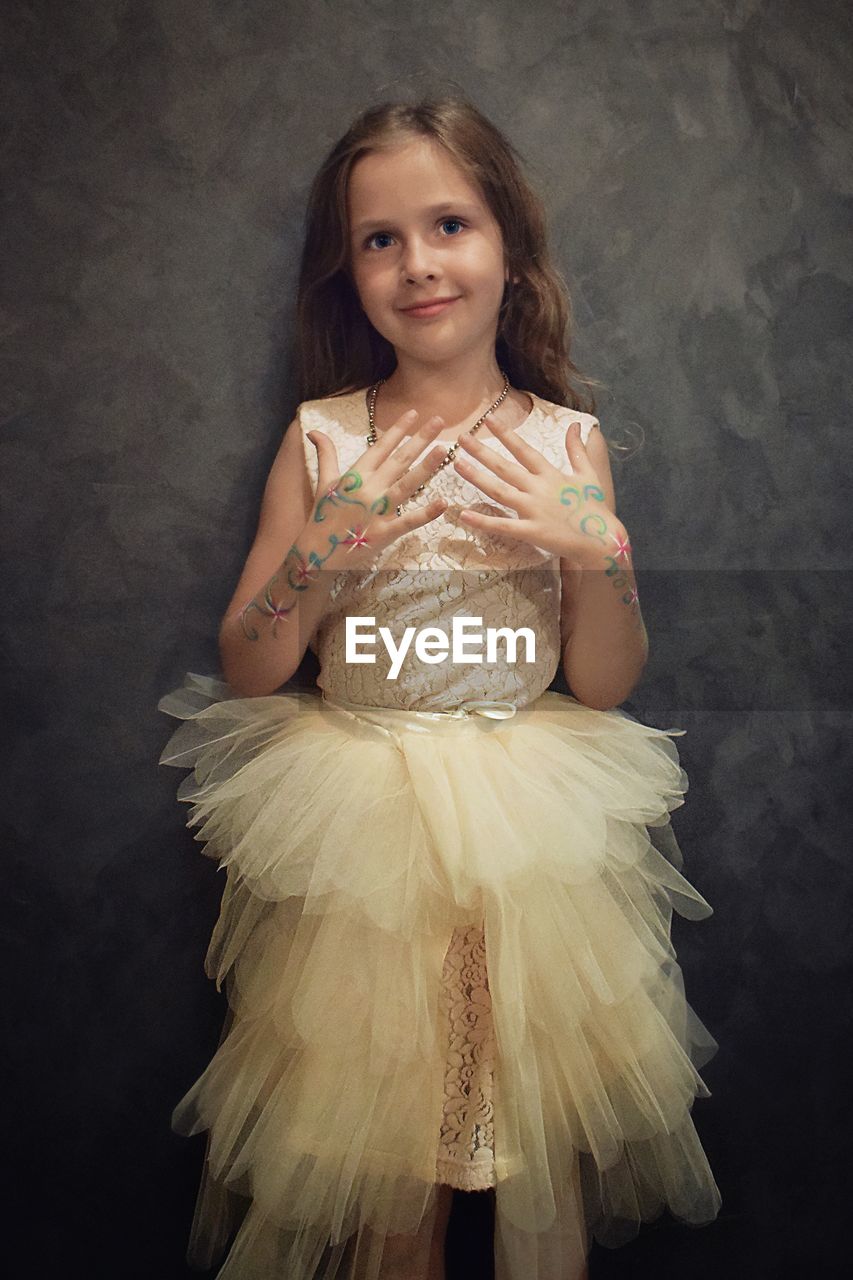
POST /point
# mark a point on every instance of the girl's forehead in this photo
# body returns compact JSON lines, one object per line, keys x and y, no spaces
{"x":409,"y":175}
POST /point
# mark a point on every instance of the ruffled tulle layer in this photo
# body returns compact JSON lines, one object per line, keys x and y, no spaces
{"x":355,"y":841}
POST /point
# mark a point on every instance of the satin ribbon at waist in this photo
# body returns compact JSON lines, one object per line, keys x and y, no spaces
{"x":488,"y":708}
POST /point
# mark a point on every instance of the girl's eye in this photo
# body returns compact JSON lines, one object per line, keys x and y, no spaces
{"x":458,"y":222}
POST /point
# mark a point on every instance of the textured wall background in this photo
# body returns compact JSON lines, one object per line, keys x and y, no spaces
{"x":696,"y":162}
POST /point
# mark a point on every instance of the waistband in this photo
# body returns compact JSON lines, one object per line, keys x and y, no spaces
{"x":486,"y":708}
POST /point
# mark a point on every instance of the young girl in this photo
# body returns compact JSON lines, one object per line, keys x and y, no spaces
{"x":445,"y":928}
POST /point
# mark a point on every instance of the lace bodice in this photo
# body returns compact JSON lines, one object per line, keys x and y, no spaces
{"x":441,"y":571}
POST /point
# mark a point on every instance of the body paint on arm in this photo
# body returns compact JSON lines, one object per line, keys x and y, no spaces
{"x":300,"y":572}
{"x":596,"y":526}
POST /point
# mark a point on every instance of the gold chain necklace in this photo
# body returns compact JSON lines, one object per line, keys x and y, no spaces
{"x":451,"y":452}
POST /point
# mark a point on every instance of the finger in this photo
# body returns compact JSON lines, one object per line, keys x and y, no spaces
{"x":531,"y":459}
{"x":424,"y":471}
{"x":404,"y":426}
{"x":418,"y":516}
{"x":506,"y":494}
{"x":392,"y":467}
{"x":518,"y":476}
{"x":405,"y":439}
{"x":512,"y":527}
{"x":575,"y":447}
{"x":321,"y":443}
{"x":328,"y":467}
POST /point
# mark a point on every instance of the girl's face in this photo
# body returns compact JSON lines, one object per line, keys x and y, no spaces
{"x":420,"y":230}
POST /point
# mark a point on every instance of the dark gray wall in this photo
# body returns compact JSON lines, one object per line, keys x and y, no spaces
{"x":696,"y":162}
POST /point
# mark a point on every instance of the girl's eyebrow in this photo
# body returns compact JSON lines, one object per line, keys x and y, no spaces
{"x":458,"y":206}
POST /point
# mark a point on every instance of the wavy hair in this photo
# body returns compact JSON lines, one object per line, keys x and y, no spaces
{"x":338,"y":350}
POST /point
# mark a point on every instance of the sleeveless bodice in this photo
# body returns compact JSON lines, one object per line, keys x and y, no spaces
{"x":441,"y":571}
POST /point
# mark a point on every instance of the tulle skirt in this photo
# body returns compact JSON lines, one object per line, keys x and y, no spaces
{"x":356,"y":841}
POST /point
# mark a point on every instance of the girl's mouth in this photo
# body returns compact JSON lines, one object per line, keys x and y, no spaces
{"x":431,"y":309}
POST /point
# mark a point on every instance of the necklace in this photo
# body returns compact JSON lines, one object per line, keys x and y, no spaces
{"x":451,"y":452}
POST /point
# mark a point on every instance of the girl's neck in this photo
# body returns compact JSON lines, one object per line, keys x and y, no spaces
{"x":456,"y":397}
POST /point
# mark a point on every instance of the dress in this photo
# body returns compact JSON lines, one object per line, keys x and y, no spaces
{"x":445,"y":928}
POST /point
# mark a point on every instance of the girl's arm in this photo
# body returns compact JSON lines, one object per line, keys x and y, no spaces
{"x":258,"y":650}
{"x":605,"y":644}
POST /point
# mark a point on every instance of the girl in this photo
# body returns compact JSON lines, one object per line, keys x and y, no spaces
{"x":445,"y":928}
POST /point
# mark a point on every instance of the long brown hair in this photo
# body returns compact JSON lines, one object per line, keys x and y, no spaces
{"x":338,"y":349}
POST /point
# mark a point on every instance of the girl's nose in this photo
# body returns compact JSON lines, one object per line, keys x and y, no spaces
{"x":417,"y":261}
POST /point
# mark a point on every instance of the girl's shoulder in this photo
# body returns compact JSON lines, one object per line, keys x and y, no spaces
{"x":561,"y":416}
{"x":343,"y":419}
{"x":344,"y":412}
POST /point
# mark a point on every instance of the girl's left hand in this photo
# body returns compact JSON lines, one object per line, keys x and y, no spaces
{"x":564,"y":514}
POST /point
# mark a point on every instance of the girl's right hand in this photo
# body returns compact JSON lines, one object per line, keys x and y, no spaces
{"x":359,"y":508}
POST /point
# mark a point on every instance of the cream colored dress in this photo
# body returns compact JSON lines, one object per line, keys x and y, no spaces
{"x":445,"y":927}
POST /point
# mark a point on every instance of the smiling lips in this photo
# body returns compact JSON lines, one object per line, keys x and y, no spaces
{"x":428,"y":309}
